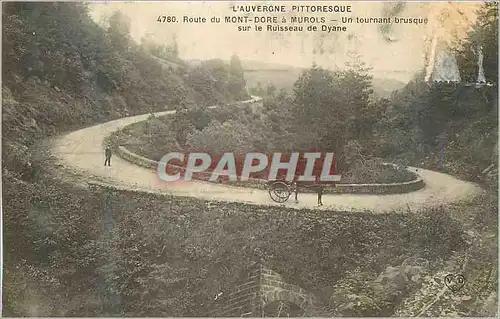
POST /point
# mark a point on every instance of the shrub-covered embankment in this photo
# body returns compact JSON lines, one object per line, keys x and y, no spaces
{"x":76,"y":252}
{"x":155,"y":137}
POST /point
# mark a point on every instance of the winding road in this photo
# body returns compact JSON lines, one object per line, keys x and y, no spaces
{"x":81,"y":152}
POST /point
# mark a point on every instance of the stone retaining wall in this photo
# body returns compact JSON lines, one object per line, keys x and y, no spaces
{"x":390,"y":188}
{"x":127,"y":155}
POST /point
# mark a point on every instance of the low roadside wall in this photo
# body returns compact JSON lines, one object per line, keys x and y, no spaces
{"x":127,"y":155}
{"x":390,"y":188}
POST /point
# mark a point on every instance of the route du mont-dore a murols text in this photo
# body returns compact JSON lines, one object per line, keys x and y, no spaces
{"x":264,"y":22}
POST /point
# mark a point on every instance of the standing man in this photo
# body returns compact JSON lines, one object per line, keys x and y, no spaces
{"x":107,"y":153}
{"x":320,"y":195}
{"x":296,"y":190}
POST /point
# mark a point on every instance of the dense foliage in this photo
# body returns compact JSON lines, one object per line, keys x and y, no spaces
{"x":94,"y":253}
{"x":447,"y":127}
{"x":73,"y":252}
{"x":62,"y":71}
{"x":441,"y":126}
{"x":328,"y":111}
{"x":484,"y":34}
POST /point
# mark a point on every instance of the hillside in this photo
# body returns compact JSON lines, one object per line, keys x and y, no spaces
{"x":284,"y":76}
{"x":169,"y":64}
{"x":62,"y":71}
{"x":77,"y":249}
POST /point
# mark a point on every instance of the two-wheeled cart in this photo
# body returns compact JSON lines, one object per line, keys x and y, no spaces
{"x":279,"y":190}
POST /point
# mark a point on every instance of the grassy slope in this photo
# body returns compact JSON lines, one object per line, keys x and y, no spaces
{"x":169,"y":256}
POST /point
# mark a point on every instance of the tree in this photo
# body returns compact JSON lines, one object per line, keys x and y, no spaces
{"x":182,"y":125}
{"x":13,"y":49}
{"x":202,"y":82}
{"x":314,"y":104}
{"x":230,"y":136}
{"x":484,"y":34}
{"x":356,"y":84}
{"x":313,"y":96}
{"x":168,"y":52}
{"x":258,"y":90}
{"x":220,"y":74}
{"x":332,"y":108}
{"x":317,"y":110}
{"x":237,"y":81}
{"x":174,"y":48}
{"x":119,"y":31}
{"x":271,"y":90}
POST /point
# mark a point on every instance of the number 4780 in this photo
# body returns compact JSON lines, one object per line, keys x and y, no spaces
{"x":168,"y":19}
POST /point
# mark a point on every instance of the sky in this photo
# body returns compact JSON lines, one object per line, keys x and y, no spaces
{"x":400,"y":57}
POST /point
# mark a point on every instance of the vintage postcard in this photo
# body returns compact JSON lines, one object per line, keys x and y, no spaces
{"x":250,"y":159}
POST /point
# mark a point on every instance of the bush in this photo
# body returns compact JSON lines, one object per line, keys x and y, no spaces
{"x":435,"y":233}
{"x":231,"y":136}
{"x":374,"y":171}
{"x":362,"y":293}
{"x":169,"y":256}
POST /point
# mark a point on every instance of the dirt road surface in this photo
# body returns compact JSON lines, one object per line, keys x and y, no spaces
{"x":82,"y":152}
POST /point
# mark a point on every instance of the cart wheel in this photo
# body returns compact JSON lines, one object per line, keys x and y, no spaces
{"x":279,"y":192}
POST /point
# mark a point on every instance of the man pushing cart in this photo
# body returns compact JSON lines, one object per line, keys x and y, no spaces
{"x":280,"y":190}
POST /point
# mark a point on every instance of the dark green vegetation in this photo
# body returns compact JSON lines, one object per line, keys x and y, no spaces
{"x":62,"y":71}
{"x":411,"y":287}
{"x":442,"y":127}
{"x":236,"y":130}
{"x":331,"y":111}
{"x":72,"y":252}
{"x":86,"y":253}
